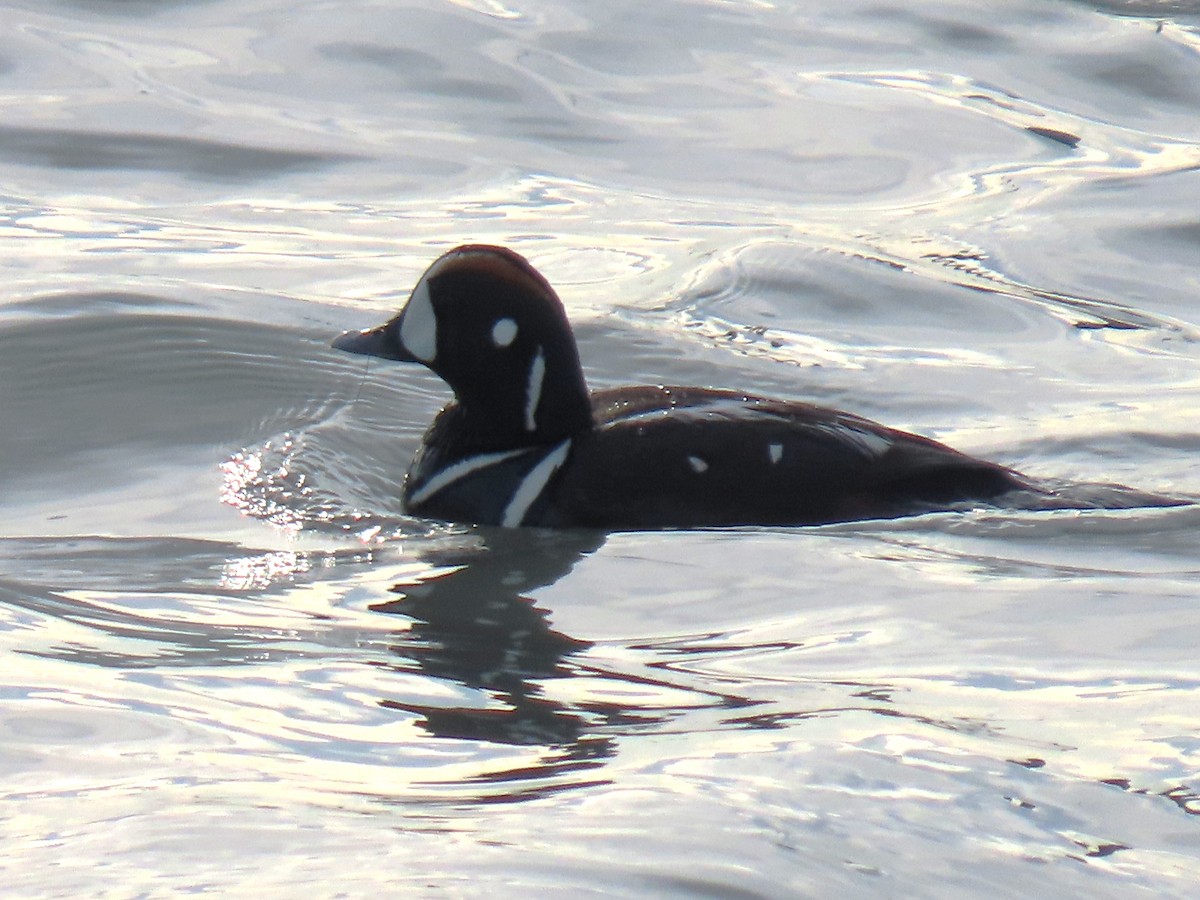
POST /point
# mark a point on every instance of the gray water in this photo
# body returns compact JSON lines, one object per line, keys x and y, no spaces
{"x":231,"y":663}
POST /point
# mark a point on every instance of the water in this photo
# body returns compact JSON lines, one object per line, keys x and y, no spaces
{"x":233,"y":665}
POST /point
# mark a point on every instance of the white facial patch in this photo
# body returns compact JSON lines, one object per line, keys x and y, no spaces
{"x":775,"y":451}
{"x":504,"y":332}
{"x":698,"y":465}
{"x":533,"y":390}
{"x":418,"y":328}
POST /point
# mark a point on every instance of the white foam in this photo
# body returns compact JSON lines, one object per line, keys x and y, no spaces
{"x":533,"y":484}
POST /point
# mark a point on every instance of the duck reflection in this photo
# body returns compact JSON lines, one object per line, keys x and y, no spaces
{"x":476,"y":627}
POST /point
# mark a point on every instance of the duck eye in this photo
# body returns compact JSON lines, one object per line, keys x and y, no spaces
{"x":504,"y":332}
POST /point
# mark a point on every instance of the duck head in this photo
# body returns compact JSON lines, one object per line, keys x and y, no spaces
{"x":487,"y":322}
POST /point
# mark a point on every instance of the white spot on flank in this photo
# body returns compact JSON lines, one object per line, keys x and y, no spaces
{"x":775,"y":451}
{"x":533,"y":390}
{"x":698,"y":465}
{"x":461,"y":469}
{"x":533,"y":485}
{"x":418,"y":328}
{"x":504,"y":332}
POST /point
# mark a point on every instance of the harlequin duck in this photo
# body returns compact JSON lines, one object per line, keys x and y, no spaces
{"x":525,"y":443}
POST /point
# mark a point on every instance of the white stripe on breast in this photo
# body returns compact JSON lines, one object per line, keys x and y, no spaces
{"x":533,"y":484}
{"x":460,"y":469}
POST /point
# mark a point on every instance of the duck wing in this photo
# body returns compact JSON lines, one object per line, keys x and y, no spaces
{"x":670,"y":457}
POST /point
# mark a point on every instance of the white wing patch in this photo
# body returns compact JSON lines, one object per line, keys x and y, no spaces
{"x":865,"y":442}
{"x":533,"y":484}
{"x":698,"y":465}
{"x":533,"y":390}
{"x":418,"y":328}
{"x":775,"y":452}
{"x":461,"y":469}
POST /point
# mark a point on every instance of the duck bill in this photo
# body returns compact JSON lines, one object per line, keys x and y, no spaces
{"x":378,"y":342}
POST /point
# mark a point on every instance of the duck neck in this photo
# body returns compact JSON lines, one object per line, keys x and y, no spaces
{"x":550,"y":404}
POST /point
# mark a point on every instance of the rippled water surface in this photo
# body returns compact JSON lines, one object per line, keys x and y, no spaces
{"x":232,"y":664}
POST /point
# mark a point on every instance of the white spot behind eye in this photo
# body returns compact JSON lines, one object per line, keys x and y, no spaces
{"x":504,"y":332}
{"x":775,"y":451}
{"x":418,"y":328}
{"x":533,"y":391}
{"x":698,"y":465}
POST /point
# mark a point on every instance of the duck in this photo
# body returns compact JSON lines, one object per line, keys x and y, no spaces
{"x":524,"y":443}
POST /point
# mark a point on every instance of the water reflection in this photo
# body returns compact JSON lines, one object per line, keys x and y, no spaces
{"x":476,"y":626}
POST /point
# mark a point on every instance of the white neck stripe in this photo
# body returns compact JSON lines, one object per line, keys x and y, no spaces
{"x":533,"y":390}
{"x":460,"y":469}
{"x":533,"y":484}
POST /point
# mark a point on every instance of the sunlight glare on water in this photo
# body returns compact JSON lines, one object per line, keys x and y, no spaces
{"x":234,"y":662}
